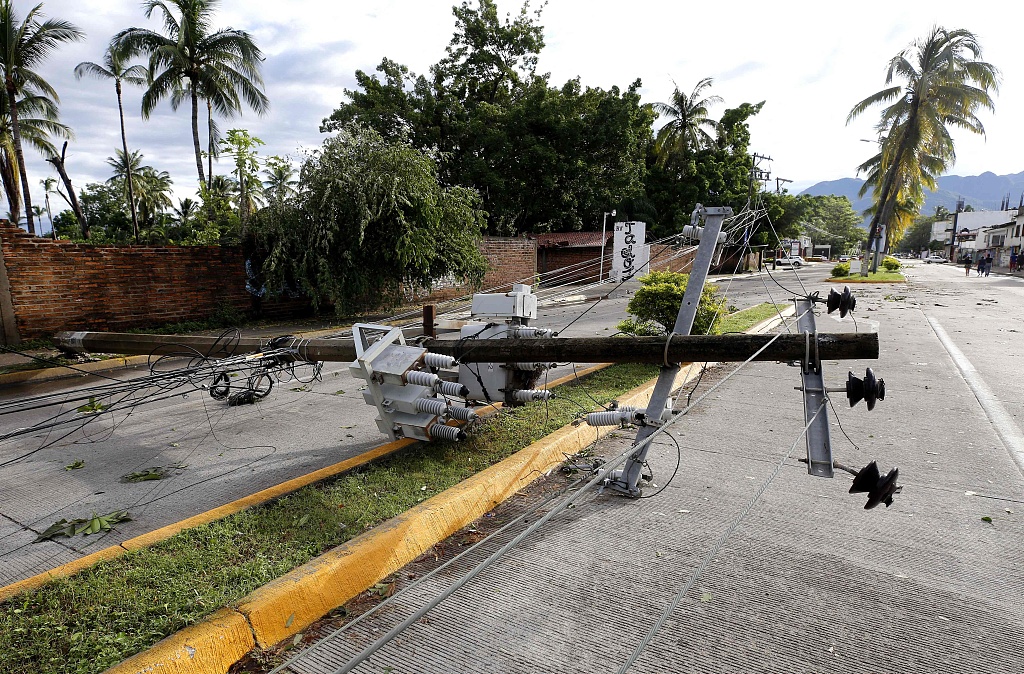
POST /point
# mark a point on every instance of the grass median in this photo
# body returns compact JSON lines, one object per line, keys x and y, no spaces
{"x":89,"y":622}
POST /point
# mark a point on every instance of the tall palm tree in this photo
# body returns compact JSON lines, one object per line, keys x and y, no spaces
{"x":185,"y":211}
{"x":945,"y":84}
{"x":281,"y":183}
{"x":49,"y":185}
{"x":24,"y":45}
{"x":128,"y":170}
{"x":115,"y":67}
{"x":38,"y":122}
{"x":191,"y":62}
{"x":154,"y":194}
{"x":688,"y":126}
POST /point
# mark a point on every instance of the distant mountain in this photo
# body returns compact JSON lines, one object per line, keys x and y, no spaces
{"x":985,"y":192}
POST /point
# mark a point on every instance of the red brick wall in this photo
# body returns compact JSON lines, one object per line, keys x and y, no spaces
{"x":585,"y":259}
{"x":509,"y":260}
{"x":60,"y":285}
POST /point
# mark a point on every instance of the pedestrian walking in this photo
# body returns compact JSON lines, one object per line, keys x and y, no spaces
{"x":1013,"y":261}
{"x":988,"y":263}
{"x":981,"y":266}
{"x":967,"y":265}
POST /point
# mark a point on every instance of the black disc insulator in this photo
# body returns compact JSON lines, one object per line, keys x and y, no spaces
{"x":844,"y":301}
{"x":869,"y":389}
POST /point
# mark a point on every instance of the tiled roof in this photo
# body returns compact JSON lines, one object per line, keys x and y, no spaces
{"x":570,"y":239}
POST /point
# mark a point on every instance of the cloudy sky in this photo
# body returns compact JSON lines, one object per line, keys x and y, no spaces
{"x":810,"y":61}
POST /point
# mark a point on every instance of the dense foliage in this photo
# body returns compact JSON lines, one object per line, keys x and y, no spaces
{"x":372,"y":218}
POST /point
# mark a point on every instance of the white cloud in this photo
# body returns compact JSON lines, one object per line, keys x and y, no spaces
{"x":809,"y":62}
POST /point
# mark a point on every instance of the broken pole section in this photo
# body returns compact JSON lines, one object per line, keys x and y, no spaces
{"x":681,"y":348}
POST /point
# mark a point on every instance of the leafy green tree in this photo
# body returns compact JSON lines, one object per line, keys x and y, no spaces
{"x":831,"y":220}
{"x":719,"y":175}
{"x":240,"y":145}
{"x":372,"y":218}
{"x":191,"y":61}
{"x":115,"y":67}
{"x":689,"y":128}
{"x":39,"y":121}
{"x":918,"y":236}
{"x":542,"y":157}
{"x":24,"y":45}
{"x":944,"y":84}
{"x":103,"y":206}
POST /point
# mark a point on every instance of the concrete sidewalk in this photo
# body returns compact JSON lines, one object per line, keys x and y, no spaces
{"x":809,"y":581}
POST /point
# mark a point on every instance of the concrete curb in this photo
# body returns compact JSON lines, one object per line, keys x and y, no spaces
{"x":286,"y":606}
{"x":62,"y":372}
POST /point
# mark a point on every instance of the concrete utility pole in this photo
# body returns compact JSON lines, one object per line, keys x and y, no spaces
{"x":678,"y":348}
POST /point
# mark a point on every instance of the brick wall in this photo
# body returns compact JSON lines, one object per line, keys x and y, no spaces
{"x":508,"y":259}
{"x":60,"y":285}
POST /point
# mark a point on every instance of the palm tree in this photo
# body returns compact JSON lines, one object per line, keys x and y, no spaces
{"x":280,"y":184}
{"x":945,"y":83}
{"x":185,"y":211}
{"x":38,"y":122}
{"x":49,"y":185}
{"x":191,"y":62}
{"x":115,"y":67}
{"x":154,"y":194}
{"x":24,"y":45}
{"x":688,"y":123}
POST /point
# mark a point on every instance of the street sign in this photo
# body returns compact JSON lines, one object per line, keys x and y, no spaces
{"x":629,"y":253}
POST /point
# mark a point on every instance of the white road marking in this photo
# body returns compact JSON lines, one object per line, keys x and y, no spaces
{"x":1004,"y":424}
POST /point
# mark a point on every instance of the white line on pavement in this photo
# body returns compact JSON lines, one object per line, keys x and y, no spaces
{"x":997,"y":414}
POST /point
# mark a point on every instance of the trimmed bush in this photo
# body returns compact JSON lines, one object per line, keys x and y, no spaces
{"x":841,"y":269}
{"x":657,"y":302}
{"x":891,"y":264}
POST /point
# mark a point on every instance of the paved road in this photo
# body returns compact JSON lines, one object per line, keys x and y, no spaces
{"x":229,"y":452}
{"x":809,"y":581}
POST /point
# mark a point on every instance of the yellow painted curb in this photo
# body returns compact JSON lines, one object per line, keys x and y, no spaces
{"x":287,"y":605}
{"x":60,"y":372}
{"x":277,"y":491}
{"x":210,"y":646}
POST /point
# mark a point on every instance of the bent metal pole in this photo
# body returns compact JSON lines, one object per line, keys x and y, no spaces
{"x":680,"y":348}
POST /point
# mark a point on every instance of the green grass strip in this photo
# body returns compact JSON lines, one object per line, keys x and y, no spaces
{"x":743,"y":320}
{"x":872,"y":277}
{"x":102,"y":615}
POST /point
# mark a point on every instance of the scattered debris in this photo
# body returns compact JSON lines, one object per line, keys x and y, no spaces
{"x":86,"y":526}
{"x":78,"y":463}
{"x":153,"y":473}
{"x":92,"y":407}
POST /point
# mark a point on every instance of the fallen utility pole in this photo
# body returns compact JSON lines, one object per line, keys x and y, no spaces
{"x":678,"y":349}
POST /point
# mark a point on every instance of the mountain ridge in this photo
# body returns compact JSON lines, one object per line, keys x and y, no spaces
{"x":984,"y":192}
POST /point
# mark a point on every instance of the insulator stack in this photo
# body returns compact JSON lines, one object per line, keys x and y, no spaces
{"x":438,"y":361}
{"x":695,"y":232}
{"x":421,"y":378}
{"x":432,"y":406}
{"x":461,"y":413}
{"x":451,"y":388}
{"x":526,"y":396}
{"x":529,"y":332}
{"x":623,"y":415}
{"x":439,"y":431}
{"x":530,"y":367}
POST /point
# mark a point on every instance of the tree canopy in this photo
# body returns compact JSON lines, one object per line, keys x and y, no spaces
{"x":371,"y":220}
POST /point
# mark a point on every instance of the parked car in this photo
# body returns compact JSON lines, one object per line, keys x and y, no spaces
{"x":844,"y":258}
{"x":934,"y":258}
{"x":794,"y":261}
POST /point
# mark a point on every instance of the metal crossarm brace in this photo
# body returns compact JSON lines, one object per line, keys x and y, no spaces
{"x":819,"y":443}
{"x":626,"y":480}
